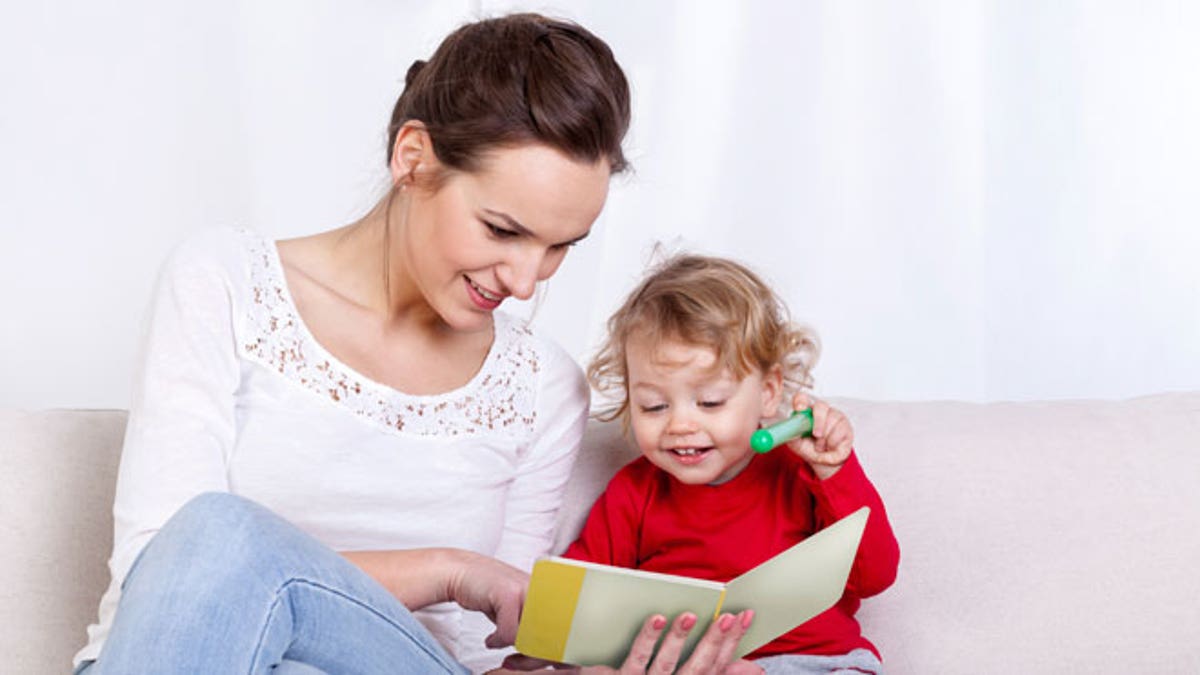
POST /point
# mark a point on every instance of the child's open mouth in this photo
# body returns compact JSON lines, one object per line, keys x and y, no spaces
{"x":689,"y":456}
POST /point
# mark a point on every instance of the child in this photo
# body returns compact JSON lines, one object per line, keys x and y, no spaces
{"x":700,"y":356}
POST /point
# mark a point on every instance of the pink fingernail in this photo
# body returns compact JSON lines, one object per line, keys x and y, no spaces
{"x":659,"y":623}
{"x":726,"y":622}
{"x":687,"y":622}
{"x":747,"y":618}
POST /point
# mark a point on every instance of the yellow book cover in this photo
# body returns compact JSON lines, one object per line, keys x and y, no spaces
{"x":585,"y":613}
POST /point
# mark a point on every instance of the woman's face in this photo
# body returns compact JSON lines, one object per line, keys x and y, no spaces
{"x":481,"y":237}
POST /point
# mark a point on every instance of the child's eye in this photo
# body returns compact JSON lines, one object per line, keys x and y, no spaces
{"x":653,"y":408}
{"x":499,"y":232}
{"x":711,"y":404}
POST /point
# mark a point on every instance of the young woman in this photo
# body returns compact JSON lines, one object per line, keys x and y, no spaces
{"x":342,"y":457}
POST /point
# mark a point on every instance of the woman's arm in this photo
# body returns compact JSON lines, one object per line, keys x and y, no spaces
{"x":181,"y":423}
{"x":535,"y":495}
{"x":422,"y":577}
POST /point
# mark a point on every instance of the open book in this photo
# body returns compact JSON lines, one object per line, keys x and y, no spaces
{"x":585,"y":613}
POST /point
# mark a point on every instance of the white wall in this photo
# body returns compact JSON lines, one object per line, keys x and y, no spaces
{"x":979,"y":200}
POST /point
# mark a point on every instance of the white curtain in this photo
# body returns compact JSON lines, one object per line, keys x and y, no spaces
{"x":970,"y":200}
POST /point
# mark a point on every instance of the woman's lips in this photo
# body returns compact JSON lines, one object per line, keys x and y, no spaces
{"x":483,"y":298}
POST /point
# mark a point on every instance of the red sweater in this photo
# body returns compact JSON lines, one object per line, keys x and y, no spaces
{"x":648,"y":520}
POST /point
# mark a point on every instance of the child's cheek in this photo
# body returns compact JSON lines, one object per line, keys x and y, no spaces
{"x":645,"y":436}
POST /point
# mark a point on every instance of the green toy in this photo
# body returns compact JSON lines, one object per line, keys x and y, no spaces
{"x":800,"y":423}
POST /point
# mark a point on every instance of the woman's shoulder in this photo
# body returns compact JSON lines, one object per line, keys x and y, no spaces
{"x":222,"y":250}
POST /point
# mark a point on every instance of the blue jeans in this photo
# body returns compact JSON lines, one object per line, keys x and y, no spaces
{"x":226,"y":586}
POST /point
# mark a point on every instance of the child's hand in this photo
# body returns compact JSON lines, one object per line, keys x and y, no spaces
{"x":832,"y":437}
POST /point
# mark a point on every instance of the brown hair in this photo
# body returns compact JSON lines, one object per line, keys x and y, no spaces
{"x":713,"y":302}
{"x":516,"y":79}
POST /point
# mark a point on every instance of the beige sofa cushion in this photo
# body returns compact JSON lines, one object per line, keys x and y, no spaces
{"x":60,"y":469}
{"x":1042,"y":537}
{"x":1035,"y":537}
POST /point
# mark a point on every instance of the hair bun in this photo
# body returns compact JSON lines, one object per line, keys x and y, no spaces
{"x":412,"y":72}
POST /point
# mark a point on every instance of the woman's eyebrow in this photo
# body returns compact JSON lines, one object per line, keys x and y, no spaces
{"x":521,"y":229}
{"x":509,"y":220}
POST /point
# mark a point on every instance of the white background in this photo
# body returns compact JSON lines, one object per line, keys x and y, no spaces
{"x":967,"y":199}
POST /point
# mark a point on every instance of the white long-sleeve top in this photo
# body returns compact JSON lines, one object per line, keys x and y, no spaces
{"x":236,"y":395}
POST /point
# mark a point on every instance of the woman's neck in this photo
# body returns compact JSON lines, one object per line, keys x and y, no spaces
{"x":368,"y":256}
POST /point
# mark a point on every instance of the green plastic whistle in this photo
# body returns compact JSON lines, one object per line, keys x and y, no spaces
{"x":768,"y":438}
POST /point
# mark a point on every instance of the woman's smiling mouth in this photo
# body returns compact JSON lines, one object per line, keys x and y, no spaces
{"x":482,"y":297}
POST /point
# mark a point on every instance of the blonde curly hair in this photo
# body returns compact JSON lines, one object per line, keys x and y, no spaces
{"x":705,"y":301}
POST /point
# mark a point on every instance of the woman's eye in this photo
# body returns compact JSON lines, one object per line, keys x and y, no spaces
{"x":711,"y":404}
{"x":499,"y":232}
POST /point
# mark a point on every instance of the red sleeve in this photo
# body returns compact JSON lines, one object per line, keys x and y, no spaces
{"x":610,"y":534}
{"x":842,"y":494}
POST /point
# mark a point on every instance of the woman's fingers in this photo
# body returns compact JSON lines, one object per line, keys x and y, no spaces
{"x":741,"y":622}
{"x":713,"y":653}
{"x":643,"y":646}
{"x":519,"y":663}
{"x":720,"y":639}
{"x":667,"y":658}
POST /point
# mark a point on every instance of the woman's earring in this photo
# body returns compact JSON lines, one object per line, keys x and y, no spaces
{"x":405,"y":180}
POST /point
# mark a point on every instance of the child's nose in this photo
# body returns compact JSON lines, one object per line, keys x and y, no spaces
{"x":681,"y":422}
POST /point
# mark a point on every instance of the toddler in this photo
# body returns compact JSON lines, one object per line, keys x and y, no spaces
{"x":699,"y":357}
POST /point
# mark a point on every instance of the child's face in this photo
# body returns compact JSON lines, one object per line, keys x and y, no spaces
{"x":691,"y":419}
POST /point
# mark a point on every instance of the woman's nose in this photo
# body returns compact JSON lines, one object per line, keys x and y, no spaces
{"x":520,"y":274}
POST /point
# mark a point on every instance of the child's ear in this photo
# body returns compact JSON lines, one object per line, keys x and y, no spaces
{"x":772,"y":391}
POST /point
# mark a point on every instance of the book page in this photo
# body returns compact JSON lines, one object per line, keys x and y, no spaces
{"x":587,"y":613}
{"x":798,"y":584}
{"x":614,"y":603}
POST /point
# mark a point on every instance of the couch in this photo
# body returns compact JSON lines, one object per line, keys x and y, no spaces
{"x":1038,"y":537}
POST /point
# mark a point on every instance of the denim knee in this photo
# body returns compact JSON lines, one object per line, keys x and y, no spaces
{"x":213,"y":534}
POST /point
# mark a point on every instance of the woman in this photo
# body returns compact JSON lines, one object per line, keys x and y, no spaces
{"x":356,"y":391}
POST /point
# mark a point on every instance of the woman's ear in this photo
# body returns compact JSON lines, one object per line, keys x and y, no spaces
{"x":411,"y":154}
{"x":772,"y":391}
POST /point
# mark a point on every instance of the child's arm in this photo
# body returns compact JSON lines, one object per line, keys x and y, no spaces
{"x":878,"y":556}
{"x":839,"y":487}
{"x":609,"y":535}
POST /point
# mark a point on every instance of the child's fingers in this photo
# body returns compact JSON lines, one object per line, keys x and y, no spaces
{"x":841,"y":435}
{"x":801,"y":400}
{"x":820,"y":419}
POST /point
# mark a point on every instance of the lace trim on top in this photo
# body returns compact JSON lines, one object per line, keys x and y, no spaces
{"x":500,"y":398}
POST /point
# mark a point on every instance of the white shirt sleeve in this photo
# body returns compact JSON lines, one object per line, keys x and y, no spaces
{"x":181,"y":423}
{"x":536,"y":494}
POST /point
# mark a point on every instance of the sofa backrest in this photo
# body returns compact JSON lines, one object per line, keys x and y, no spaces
{"x":1037,"y":537}
{"x":60,"y":468}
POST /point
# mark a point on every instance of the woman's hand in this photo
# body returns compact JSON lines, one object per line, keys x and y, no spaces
{"x":832,"y":437}
{"x":422,"y":577}
{"x":713,"y":654}
{"x":495,"y":588}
